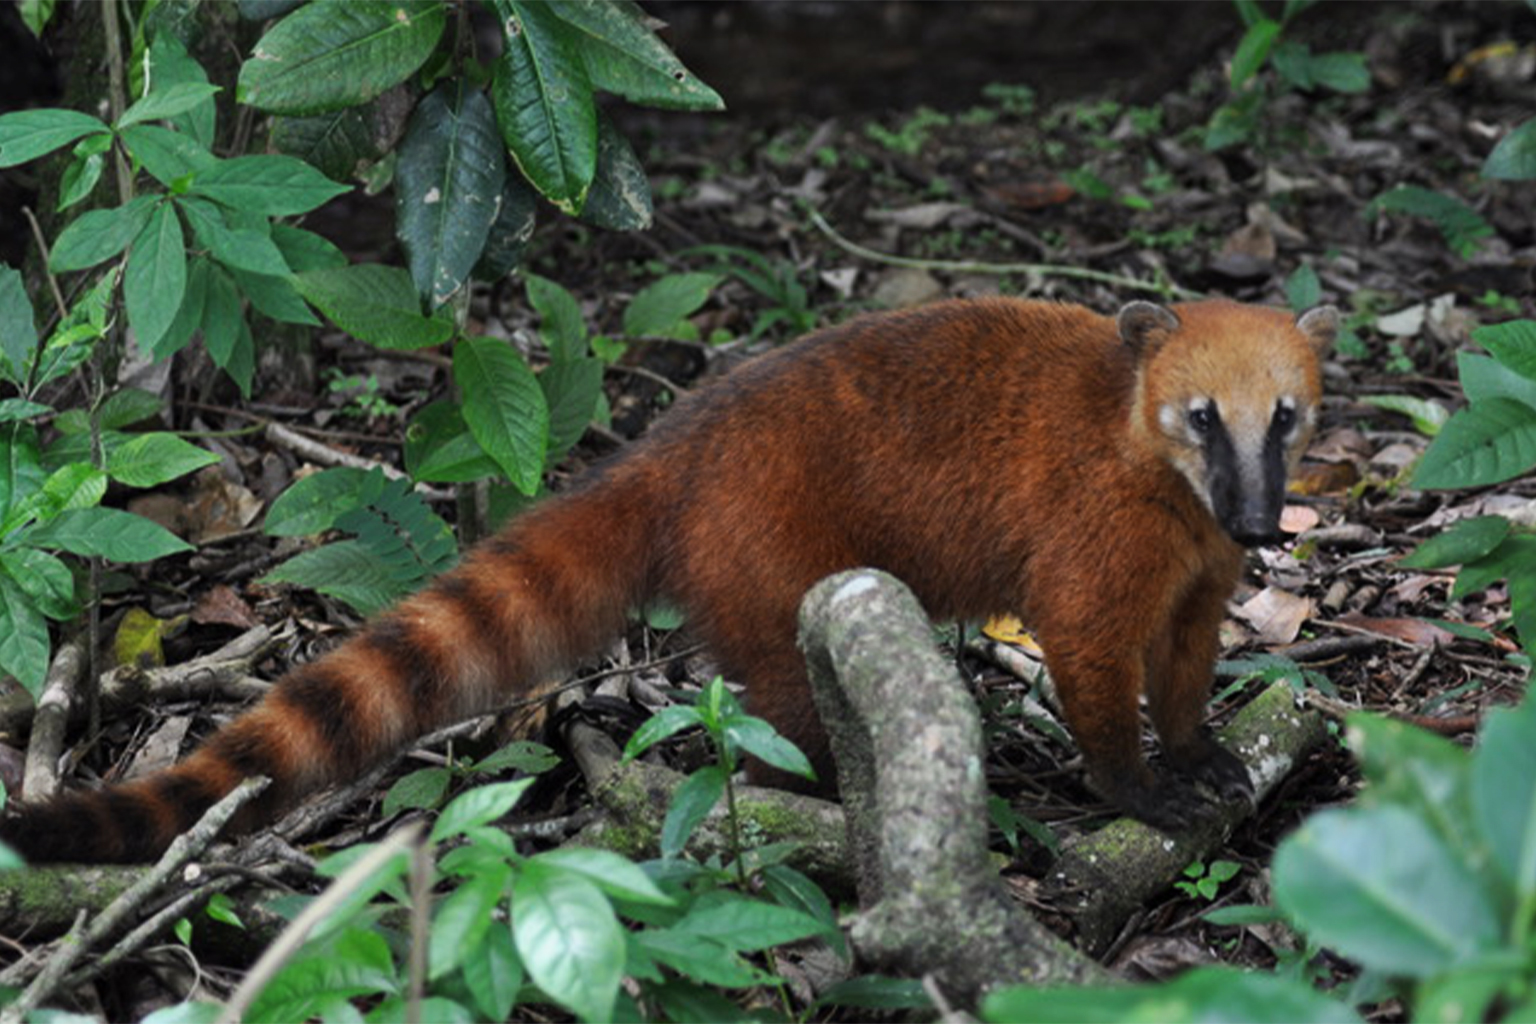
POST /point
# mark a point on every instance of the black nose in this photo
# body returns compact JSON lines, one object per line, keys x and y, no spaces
{"x":1254,"y":531}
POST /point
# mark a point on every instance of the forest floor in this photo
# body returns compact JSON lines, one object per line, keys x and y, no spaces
{"x":989,"y":192}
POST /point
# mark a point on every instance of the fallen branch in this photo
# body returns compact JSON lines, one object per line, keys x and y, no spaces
{"x":907,"y":740}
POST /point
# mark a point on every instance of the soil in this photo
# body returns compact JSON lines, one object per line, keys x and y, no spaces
{"x":1100,"y":166}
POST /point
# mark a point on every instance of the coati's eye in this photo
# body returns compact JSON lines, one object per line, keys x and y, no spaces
{"x":1285,"y":417}
{"x":1202,"y":418}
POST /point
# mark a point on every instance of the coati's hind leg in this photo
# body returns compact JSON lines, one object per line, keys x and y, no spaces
{"x":1178,"y":687}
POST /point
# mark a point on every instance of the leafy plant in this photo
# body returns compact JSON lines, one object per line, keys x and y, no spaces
{"x":51,"y":489}
{"x":1273,"y":668}
{"x":1205,"y":880}
{"x":910,"y":138}
{"x":1463,"y":227}
{"x":1295,"y":67}
{"x":1429,"y":884}
{"x":775,"y":280}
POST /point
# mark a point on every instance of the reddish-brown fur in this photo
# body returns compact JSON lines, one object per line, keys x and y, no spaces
{"x":992,"y":454}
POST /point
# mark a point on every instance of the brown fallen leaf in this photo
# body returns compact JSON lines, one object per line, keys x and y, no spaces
{"x":1296,"y":519}
{"x":1276,"y":615}
{"x":1413,"y":631}
{"x":222,"y":606}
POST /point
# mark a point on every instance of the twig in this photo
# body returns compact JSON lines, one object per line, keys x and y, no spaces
{"x":324,"y":454}
{"x":294,"y":936}
{"x":975,"y":267}
{"x":51,"y":720}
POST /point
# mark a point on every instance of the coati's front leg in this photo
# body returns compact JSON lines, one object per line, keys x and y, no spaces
{"x":1179,"y":685}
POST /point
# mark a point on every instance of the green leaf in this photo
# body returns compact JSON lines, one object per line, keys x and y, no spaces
{"x":615,"y":875}
{"x":98,"y":235}
{"x":504,"y":408}
{"x":18,"y":328}
{"x":127,"y":407}
{"x":440,"y":449}
{"x":1514,"y":158}
{"x":1428,"y":416}
{"x":276,"y":297}
{"x":756,"y":737}
{"x":620,"y":196}
{"x":623,"y":55}
{"x":226,"y":332}
{"x":571,"y":389}
{"x":1513,"y":344}
{"x":1504,"y":792}
{"x":374,"y":303}
{"x":478,"y":806}
{"x":876,"y":992}
{"x":448,"y":182}
{"x":341,"y":143}
{"x":169,"y":156}
{"x":108,"y":532}
{"x":1466,"y":541}
{"x":519,"y":755}
{"x":28,"y":134}
{"x":314,"y":503}
{"x":563,"y":330}
{"x":150,"y":459}
{"x":246,"y":248}
{"x":663,"y":724}
{"x":328,"y":56}
{"x":304,"y":250}
{"x":1198,"y":996}
{"x":493,"y":973}
{"x":1463,"y":227}
{"x":1483,"y":378}
{"x":510,"y":231}
{"x":544,"y":103}
{"x":702,"y":960}
{"x":1380,"y":887}
{"x":348,"y":570}
{"x":569,"y":938}
{"x":166,"y":103}
{"x":423,"y":788}
{"x":84,"y":171}
{"x":692,"y":801}
{"x":746,"y":924}
{"x":1302,"y":289}
{"x":13,"y":409}
{"x":1486,"y":443}
{"x":462,"y":920}
{"x":24,"y":643}
{"x":156,"y":277}
{"x":659,"y":307}
{"x":1340,"y":71}
{"x":170,"y":64}
{"x":1252,"y":50}
{"x":271,"y":185}
{"x":325,"y":973}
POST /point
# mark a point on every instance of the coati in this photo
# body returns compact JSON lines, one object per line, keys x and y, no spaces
{"x":1099,"y":476}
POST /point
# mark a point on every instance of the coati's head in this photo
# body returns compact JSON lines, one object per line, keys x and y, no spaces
{"x":1228,"y":395}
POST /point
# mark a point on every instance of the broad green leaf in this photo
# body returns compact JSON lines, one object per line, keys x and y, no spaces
{"x":462,"y":919}
{"x":1466,"y":541}
{"x":177,"y":98}
{"x":663,"y":724}
{"x":620,"y":196}
{"x":189,"y":315}
{"x":756,"y":737}
{"x":108,"y":532}
{"x":1202,"y":995}
{"x":170,"y":64}
{"x":314,"y":503}
{"x":1513,"y":344}
{"x":746,"y":924}
{"x":305,"y":250}
{"x":423,"y":788}
{"x":692,"y":801}
{"x":18,"y":329}
{"x":478,"y":806}
{"x":247,"y":248}
{"x":704,"y":961}
{"x":1427,"y":416}
{"x":1504,"y":792}
{"x":98,"y":235}
{"x":84,"y":170}
{"x":12,"y":409}
{"x":341,"y":143}
{"x":28,"y":134}
{"x":76,"y":485}
{"x":375,"y":303}
{"x":156,"y":276}
{"x":504,"y":408}
{"x":617,"y":876}
{"x":271,"y":185}
{"x":186,"y":1013}
{"x":510,"y":231}
{"x":623,"y":55}
{"x":1377,"y":885}
{"x":448,"y":182}
{"x":169,"y":156}
{"x":347,"y":570}
{"x":659,"y":307}
{"x":493,"y":973}
{"x":1417,"y":770}
{"x":1341,"y":71}
{"x":1302,"y":289}
{"x":877,"y":992}
{"x":350,"y":964}
{"x":563,"y":330}
{"x":569,"y":938}
{"x":1486,"y":443}
{"x":544,"y":103}
{"x":519,"y":755}
{"x":1515,"y":556}
{"x":226,"y":331}
{"x":23,"y":636}
{"x":571,"y":389}
{"x":1483,"y":377}
{"x":277,"y":297}
{"x":1514,"y":158}
{"x":1252,"y":50}
{"x":326,"y":56}
{"x":440,"y":449}
{"x":146,"y":460}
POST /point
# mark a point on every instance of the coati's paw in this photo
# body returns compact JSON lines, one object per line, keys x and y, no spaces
{"x":1165,"y":801}
{"x":1220,"y":769}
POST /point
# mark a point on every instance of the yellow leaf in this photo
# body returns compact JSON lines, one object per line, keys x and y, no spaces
{"x":139,"y":637}
{"x":1009,"y":630}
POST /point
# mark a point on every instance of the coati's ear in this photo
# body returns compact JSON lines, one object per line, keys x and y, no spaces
{"x":1145,"y":323}
{"x":1320,"y":324}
